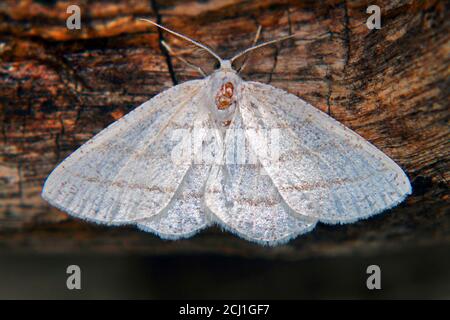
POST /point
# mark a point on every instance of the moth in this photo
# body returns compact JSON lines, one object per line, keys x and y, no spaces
{"x":253,"y":159}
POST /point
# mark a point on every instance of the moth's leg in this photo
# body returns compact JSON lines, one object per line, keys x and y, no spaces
{"x":197,"y":68}
{"x":258,"y":33}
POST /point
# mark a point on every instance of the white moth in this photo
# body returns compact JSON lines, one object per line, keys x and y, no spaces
{"x":255,"y":160}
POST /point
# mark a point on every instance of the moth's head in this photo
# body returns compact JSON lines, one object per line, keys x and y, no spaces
{"x":225,"y":65}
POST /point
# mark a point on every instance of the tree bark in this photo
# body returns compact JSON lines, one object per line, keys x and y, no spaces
{"x":59,"y":87}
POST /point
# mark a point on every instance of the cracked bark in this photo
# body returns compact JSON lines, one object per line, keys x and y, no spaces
{"x":60,"y":87}
{"x":347,"y":32}
{"x":173,"y":76}
{"x":274,"y":66}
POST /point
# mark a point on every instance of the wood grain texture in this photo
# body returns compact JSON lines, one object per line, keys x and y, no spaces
{"x":59,"y":87}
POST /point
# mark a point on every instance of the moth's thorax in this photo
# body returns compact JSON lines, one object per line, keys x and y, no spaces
{"x":225,"y":96}
{"x":224,"y":92}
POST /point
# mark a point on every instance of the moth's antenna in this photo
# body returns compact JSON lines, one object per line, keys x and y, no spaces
{"x":185,"y":38}
{"x":261,"y":45}
{"x":258,"y":33}
{"x":190,"y":65}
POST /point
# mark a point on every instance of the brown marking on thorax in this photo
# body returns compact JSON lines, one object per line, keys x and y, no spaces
{"x":224,"y":96}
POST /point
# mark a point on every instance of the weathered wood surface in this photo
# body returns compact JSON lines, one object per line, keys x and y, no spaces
{"x":59,"y":87}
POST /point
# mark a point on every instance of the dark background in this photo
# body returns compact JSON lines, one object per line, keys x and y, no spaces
{"x":407,"y":274}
